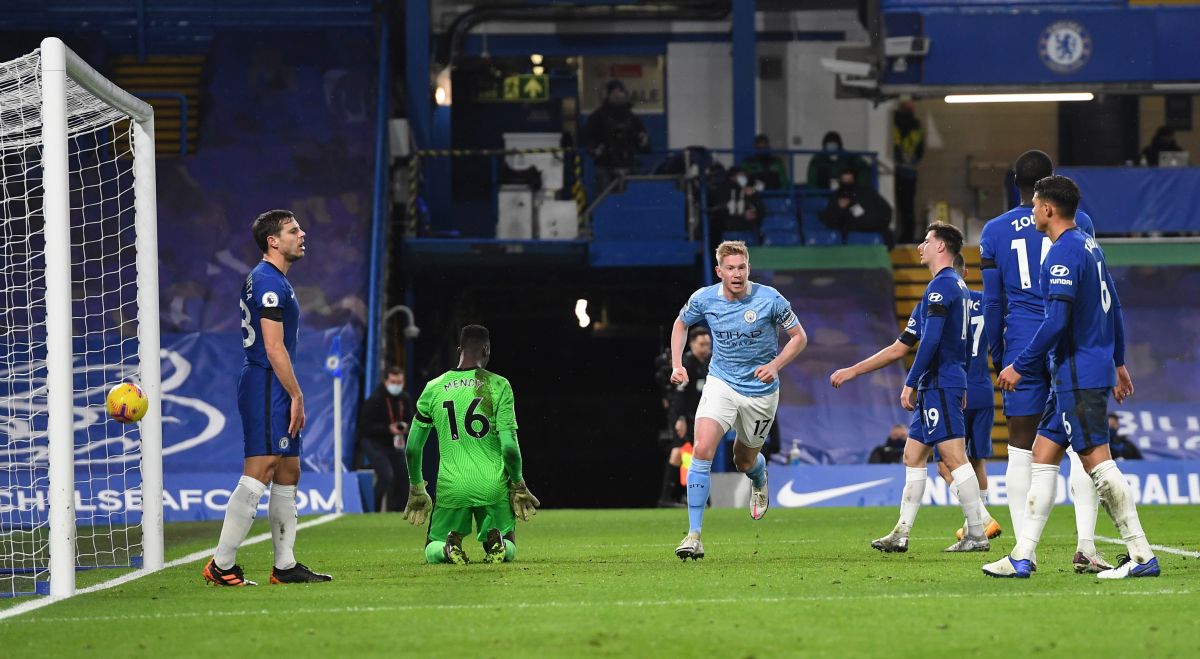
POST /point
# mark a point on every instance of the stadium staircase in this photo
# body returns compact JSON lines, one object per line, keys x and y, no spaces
{"x":166,"y":76}
{"x":910,"y":279}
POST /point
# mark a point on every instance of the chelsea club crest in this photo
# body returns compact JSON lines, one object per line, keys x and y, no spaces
{"x":1065,"y":46}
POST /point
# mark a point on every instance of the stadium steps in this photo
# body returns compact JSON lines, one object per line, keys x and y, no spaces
{"x":161,"y":74}
{"x":910,"y":279}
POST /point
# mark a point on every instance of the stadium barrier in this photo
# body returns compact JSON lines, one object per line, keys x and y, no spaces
{"x":187,"y":497}
{"x":1154,"y":482}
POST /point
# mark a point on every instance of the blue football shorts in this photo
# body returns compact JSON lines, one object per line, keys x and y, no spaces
{"x":979,"y":433}
{"x":1030,"y":396}
{"x":941,"y":415}
{"x":1077,"y":418}
{"x":266,"y":410}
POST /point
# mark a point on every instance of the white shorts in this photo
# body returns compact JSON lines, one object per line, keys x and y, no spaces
{"x":750,"y":415}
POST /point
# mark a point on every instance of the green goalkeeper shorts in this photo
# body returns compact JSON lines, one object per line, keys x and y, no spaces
{"x":499,"y":515}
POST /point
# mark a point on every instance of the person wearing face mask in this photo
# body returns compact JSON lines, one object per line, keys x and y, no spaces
{"x":824,"y":167}
{"x":383,"y":421}
{"x":853,"y":208}
{"x":736,"y":206}
{"x":614,"y":136}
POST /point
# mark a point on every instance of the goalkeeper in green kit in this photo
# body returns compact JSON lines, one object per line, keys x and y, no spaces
{"x":479,"y":477}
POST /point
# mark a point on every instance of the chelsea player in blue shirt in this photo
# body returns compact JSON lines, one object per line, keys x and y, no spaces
{"x":271,"y":406}
{"x":978,"y":415}
{"x":1012,"y":251}
{"x":742,"y":388}
{"x":980,"y":412}
{"x":1083,"y":334}
{"x":936,"y":390}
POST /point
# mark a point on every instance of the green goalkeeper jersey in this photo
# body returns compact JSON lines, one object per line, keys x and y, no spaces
{"x":472,"y":411}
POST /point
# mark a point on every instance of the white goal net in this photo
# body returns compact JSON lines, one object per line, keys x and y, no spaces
{"x":78,"y":270}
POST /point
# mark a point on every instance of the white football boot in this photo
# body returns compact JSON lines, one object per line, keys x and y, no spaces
{"x":760,"y":499}
{"x":896,"y":541}
{"x":691,"y":547}
{"x":970,"y":543}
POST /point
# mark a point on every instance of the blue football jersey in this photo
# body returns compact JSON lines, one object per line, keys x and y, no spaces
{"x":268,"y":294}
{"x":1075,"y":271}
{"x":946,"y":296}
{"x":979,"y":379}
{"x":1012,"y":244}
{"x":745,"y":332}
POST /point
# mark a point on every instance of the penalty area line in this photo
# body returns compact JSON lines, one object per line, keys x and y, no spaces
{"x":1165,"y":550}
{"x":138,"y":574}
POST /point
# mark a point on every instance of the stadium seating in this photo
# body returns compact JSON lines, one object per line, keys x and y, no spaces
{"x":646,"y":210}
{"x":863,"y":238}
{"x":748,"y":237}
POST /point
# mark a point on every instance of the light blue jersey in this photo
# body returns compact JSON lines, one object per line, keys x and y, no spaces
{"x":745,"y":332}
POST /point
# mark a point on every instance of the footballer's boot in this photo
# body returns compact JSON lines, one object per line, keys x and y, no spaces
{"x":970,"y":543}
{"x":1090,"y":563}
{"x":231,"y":577}
{"x":760,"y":499}
{"x":493,"y":547}
{"x":1127,"y":568}
{"x":453,"y":549}
{"x":691,"y":547}
{"x":991,"y":529}
{"x":896,"y":541}
{"x":298,"y":573}
{"x":1009,"y":568}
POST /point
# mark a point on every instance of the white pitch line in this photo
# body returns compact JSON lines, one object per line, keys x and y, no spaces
{"x":1166,"y":550}
{"x":1100,"y":592}
{"x":138,"y":574}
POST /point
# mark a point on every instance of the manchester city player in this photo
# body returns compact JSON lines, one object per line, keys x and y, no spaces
{"x":271,"y":406}
{"x":742,"y":389}
{"x":1011,"y":253}
{"x":1083,"y":334}
{"x":938,"y":378}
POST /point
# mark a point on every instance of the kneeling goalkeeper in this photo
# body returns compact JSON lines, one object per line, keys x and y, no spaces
{"x":479,"y":476}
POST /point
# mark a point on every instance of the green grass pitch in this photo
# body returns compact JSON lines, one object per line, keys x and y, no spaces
{"x":606,"y":583}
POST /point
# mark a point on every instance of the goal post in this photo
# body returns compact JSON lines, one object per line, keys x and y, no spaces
{"x":94,"y":137}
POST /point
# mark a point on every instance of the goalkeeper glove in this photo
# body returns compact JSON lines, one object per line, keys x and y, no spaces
{"x":524,"y":504}
{"x":419,"y":505}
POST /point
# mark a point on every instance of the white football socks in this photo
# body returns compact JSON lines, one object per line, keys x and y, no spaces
{"x":282,"y":512}
{"x":1118,"y":502}
{"x":1043,"y":487}
{"x":1087,"y":505}
{"x":983,"y":511}
{"x":967,"y":487}
{"x":1017,"y":477}
{"x":910,"y":502}
{"x":239,"y":515}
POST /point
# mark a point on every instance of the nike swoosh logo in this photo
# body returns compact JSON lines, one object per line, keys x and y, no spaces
{"x":789,"y":498}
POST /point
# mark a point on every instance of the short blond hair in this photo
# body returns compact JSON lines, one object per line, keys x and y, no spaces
{"x":732,"y":248}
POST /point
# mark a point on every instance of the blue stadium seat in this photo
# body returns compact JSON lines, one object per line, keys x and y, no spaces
{"x":811,"y":207}
{"x":778,"y":205}
{"x":782,"y":238}
{"x":645,"y":210}
{"x":821,"y":237}
{"x":780,"y":223}
{"x":748,"y":237}
{"x":863,"y":238}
